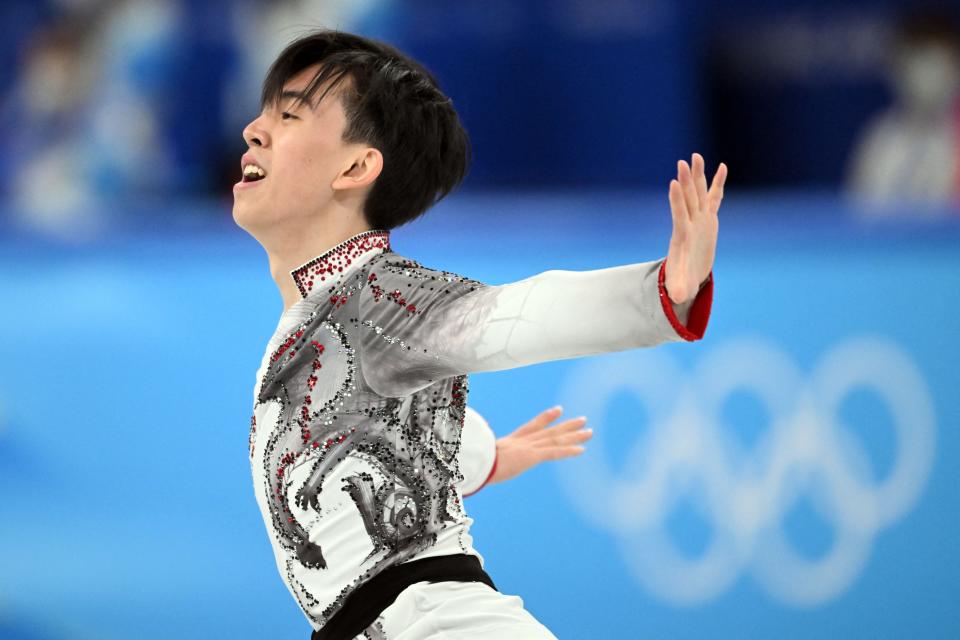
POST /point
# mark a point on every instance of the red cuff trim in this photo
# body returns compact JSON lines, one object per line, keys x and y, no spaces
{"x":699,"y":312}
{"x":490,"y":475}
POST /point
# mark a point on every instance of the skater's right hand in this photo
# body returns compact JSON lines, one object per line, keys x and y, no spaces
{"x":533,"y":443}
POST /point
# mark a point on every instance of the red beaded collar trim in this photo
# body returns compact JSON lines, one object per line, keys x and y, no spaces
{"x":338,"y":258}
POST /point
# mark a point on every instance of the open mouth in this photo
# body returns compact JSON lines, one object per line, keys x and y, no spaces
{"x":253,"y":173}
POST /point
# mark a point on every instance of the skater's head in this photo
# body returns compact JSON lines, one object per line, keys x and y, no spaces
{"x":349,"y":125}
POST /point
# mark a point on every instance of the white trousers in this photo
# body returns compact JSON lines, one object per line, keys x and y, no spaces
{"x":455,"y":611}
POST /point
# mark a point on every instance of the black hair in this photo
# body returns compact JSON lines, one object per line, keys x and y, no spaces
{"x":392,"y":103}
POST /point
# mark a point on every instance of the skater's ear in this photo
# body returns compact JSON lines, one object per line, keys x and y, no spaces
{"x":359,"y":170}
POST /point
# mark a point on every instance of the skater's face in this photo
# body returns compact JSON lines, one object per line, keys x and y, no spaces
{"x":307,"y":166}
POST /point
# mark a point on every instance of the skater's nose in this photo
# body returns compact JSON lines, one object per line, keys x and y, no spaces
{"x":255,"y":134}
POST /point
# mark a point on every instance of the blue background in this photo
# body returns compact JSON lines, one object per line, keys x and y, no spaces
{"x":126,"y":392}
{"x":560,"y":93}
{"x":131,"y":332}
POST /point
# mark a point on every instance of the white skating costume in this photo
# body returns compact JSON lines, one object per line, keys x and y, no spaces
{"x":360,"y":403}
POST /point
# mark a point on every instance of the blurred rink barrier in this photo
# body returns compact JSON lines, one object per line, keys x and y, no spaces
{"x":793,"y":474}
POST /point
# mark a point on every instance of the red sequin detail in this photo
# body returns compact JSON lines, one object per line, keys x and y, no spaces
{"x":334,"y":260}
{"x":287,"y":460}
{"x":394,"y":295}
{"x":289,"y":342}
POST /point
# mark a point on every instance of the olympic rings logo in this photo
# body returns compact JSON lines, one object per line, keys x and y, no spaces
{"x":805,"y":451}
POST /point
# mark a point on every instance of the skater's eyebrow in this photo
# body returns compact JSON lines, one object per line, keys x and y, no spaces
{"x":299,"y":96}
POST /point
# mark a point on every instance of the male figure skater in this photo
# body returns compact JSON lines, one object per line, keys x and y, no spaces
{"x":360,"y":402}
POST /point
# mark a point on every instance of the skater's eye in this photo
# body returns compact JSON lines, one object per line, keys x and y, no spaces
{"x":287,"y":115}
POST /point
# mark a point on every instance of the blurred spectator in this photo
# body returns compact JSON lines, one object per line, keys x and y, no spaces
{"x":91,"y":117}
{"x":114,"y":101}
{"x":910,"y":154}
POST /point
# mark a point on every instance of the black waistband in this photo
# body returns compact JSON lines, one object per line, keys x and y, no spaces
{"x":369,"y":600}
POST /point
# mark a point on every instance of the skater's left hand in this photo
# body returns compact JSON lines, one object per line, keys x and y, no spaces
{"x":533,"y":443}
{"x":694,"y":240}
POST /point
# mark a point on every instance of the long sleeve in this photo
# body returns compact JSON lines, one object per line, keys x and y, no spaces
{"x":478,"y":452}
{"x":424,"y":325}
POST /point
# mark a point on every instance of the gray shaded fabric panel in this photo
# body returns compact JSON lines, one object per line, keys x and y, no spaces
{"x":463,"y":326}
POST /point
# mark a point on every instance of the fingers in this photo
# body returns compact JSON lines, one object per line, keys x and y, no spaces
{"x":716,"y":189}
{"x":556,"y":453}
{"x":700,"y":179}
{"x":689,"y":194}
{"x":687,"y":187}
{"x":541,"y":420}
{"x":568,"y":425}
{"x":562,"y":440}
{"x":557,"y":430}
{"x":553,"y":438}
{"x":535,"y":433}
{"x":678,"y":206}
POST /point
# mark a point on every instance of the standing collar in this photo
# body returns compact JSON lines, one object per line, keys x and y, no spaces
{"x":329,"y":265}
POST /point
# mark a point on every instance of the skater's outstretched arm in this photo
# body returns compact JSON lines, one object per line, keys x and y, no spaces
{"x":424,"y":324}
{"x":484,"y":459}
